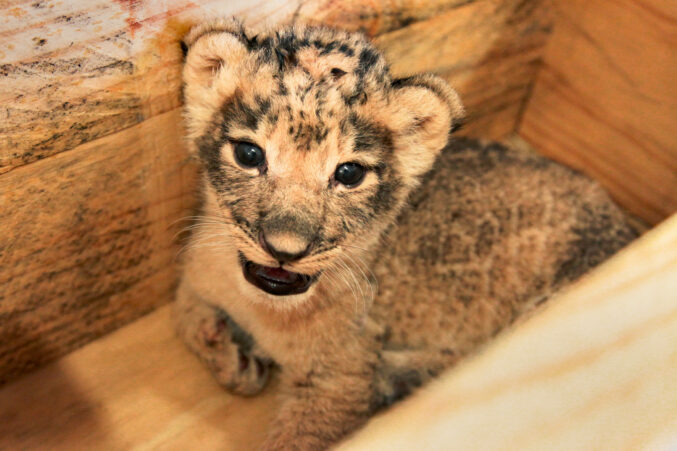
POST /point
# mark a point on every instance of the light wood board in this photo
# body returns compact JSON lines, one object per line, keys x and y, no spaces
{"x":606,"y":99}
{"x":137,"y":388}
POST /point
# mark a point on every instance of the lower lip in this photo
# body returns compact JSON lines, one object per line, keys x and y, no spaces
{"x":279,"y":282}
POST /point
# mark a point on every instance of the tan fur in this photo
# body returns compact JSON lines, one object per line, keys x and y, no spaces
{"x":402,"y":292}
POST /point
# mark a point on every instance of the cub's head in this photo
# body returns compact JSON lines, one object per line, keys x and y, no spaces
{"x":309,"y":146}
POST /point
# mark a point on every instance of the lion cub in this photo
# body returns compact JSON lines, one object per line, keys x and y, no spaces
{"x":345,"y":239}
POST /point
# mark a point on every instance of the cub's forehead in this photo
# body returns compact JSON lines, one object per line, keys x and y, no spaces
{"x":307,"y":85}
{"x":300,"y":57}
{"x":319,"y":50}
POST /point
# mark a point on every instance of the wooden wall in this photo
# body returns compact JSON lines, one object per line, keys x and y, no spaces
{"x":93,"y":172}
{"x":606,"y":99}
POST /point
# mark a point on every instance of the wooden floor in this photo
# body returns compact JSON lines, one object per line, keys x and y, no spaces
{"x":136,"y":388}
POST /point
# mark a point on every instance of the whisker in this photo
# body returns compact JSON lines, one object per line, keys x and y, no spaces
{"x":354,"y":278}
{"x":336,"y":278}
{"x":366,"y":278}
{"x":340,"y":273}
{"x":356,"y":247}
{"x":202,"y":237}
{"x":197,"y":226}
{"x":195,"y":218}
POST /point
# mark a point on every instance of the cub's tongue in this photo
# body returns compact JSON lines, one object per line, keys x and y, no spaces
{"x":277,"y":274}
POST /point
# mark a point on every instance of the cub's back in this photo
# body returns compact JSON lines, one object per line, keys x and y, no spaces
{"x":490,"y":233}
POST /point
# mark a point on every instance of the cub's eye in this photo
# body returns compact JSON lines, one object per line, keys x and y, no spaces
{"x":249,"y":155}
{"x":350,"y":174}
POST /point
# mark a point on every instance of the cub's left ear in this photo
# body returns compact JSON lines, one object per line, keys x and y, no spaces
{"x":426,"y":109}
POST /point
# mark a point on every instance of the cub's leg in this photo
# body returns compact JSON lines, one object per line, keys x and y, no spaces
{"x":227,"y":350}
{"x":324,"y":401}
{"x":400,"y":372}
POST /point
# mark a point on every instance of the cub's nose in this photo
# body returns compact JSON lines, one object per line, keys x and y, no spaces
{"x":284,"y":248}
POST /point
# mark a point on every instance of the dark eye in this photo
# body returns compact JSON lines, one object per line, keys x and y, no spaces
{"x":249,"y":155}
{"x":350,"y":174}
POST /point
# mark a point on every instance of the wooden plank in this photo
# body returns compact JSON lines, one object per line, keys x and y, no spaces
{"x":76,"y":71}
{"x":489,"y":51}
{"x":606,"y":99}
{"x":138,"y":388}
{"x":85,"y":242}
{"x":72,"y":72}
{"x":596,"y":369}
{"x":374,"y":17}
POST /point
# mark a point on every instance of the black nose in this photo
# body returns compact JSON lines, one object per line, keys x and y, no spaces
{"x":281,"y":256}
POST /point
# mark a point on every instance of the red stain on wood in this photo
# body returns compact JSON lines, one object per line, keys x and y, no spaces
{"x":130,"y":6}
{"x":167,"y":14}
{"x":135,"y":24}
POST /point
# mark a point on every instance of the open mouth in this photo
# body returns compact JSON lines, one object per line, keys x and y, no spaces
{"x":275,"y":281}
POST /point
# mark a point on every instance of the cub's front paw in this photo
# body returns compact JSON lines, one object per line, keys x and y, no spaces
{"x":228,"y":351}
{"x":241,"y":371}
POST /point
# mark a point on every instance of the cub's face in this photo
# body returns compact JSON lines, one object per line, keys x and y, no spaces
{"x":309,"y":146}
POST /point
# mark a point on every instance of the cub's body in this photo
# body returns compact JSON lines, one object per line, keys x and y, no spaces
{"x":491,"y":233}
{"x":405,"y":272}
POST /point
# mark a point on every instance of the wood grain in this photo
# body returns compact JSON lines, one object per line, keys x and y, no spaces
{"x":137,"y":388}
{"x":76,"y":71}
{"x":596,"y":369}
{"x":606,"y":99}
{"x":86,"y":243}
{"x":489,"y":51}
{"x":72,"y":72}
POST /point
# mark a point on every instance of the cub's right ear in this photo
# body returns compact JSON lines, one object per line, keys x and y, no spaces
{"x":210,"y":47}
{"x":215,"y":56}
